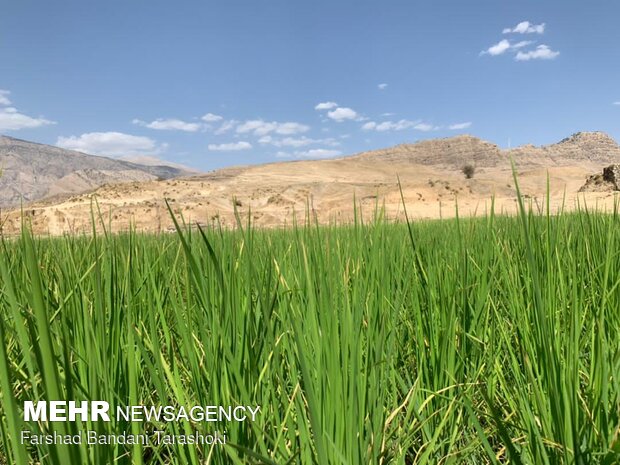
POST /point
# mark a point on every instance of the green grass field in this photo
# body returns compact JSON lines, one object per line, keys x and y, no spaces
{"x":472,"y":341}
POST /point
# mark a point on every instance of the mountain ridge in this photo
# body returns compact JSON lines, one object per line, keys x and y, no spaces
{"x":427,"y":175}
{"x":456,"y":151}
{"x":32,"y":171}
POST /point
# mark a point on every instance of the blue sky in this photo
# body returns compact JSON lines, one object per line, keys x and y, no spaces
{"x":212,"y":84}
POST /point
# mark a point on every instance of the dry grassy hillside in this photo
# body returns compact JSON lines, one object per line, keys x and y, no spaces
{"x":430,"y":173}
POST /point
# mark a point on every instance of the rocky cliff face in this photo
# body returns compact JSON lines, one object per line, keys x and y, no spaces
{"x":596,"y":147}
{"x":456,"y":152}
{"x":33,"y":171}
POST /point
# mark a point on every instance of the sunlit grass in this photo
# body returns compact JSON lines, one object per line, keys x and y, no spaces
{"x":492,"y":340}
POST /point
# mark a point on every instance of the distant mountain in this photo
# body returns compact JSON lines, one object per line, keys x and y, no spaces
{"x":454,"y":152}
{"x":154,"y":161}
{"x":31,"y":171}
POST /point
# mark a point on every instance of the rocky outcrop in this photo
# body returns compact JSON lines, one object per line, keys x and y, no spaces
{"x":609,"y":181}
{"x":455,"y":152}
{"x":612,"y":174}
{"x":595,"y":147}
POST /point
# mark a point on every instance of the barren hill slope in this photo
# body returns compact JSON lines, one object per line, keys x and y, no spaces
{"x":454,"y":152}
{"x":580,"y":148}
{"x":274,"y":194}
{"x":450,"y":153}
{"x":32,"y":171}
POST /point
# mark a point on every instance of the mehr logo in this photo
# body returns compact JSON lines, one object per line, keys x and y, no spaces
{"x":60,"y":410}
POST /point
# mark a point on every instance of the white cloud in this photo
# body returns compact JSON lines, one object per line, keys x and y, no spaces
{"x":174,"y":124}
{"x":113,"y":144}
{"x":231,"y":146}
{"x":262,"y":128}
{"x":4,"y":99}
{"x":291,"y":128}
{"x":425,"y":127}
{"x":498,"y":49}
{"x":313,"y":153}
{"x":296,"y":142}
{"x":257,"y":127}
{"x":211,"y":118}
{"x":458,"y":126}
{"x":523,"y":43}
{"x":13,"y":120}
{"x":397,"y":126}
{"x":382,"y":86}
{"x":617,"y":103}
{"x":342,"y":114}
{"x":542,"y":52}
{"x":326,"y":106}
{"x":170,"y":124}
{"x":226,"y":126}
{"x":400,"y":125}
{"x":525,"y":27}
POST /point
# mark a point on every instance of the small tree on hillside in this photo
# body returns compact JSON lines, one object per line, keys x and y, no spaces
{"x":468,"y":171}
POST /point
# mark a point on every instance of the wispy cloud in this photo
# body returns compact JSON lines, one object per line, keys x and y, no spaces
{"x":504,"y":46}
{"x":112,"y":144}
{"x":296,"y":142}
{"x":389,"y":125}
{"x":617,"y":103}
{"x":230,"y":147}
{"x":204,"y":123}
{"x":337,"y":113}
{"x":425,"y":127}
{"x":382,"y":86}
{"x":523,"y":43}
{"x":313,"y":153}
{"x":342,"y":114}
{"x":400,"y":125}
{"x":498,"y":49}
{"x":525,"y":27}
{"x":542,"y":52}
{"x":259,"y":128}
{"x":4,"y":97}
{"x":170,"y":124}
{"x":459,"y":126}
{"x":11,"y":119}
{"x":326,"y":106}
{"x":225,"y":127}
{"x":211,"y":118}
